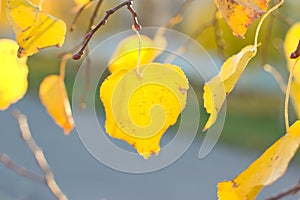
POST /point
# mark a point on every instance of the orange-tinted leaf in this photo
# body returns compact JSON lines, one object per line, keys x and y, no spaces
{"x":54,"y":97}
{"x":270,"y":166}
{"x":239,"y":14}
{"x":126,"y":54}
{"x":34,"y":28}
{"x":140,"y":109}
{"x":13,"y":74}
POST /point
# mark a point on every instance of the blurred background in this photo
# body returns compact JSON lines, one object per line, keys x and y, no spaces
{"x":254,"y":118}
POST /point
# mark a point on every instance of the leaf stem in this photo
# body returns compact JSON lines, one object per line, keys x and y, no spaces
{"x":287,"y":95}
{"x":138,"y":72}
{"x":263,"y":19}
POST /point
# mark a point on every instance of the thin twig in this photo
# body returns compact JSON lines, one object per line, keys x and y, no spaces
{"x":39,"y":156}
{"x":90,"y":34}
{"x":277,"y":76}
{"x":79,"y":12}
{"x":7,"y":162}
{"x":94,"y":15}
{"x":219,"y":36}
{"x":291,"y":191}
{"x":183,"y":48}
{"x":178,"y":16}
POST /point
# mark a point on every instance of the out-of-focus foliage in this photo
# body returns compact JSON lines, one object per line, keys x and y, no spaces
{"x":13,"y":74}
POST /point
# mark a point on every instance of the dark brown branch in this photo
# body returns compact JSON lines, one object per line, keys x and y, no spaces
{"x":90,"y":34}
{"x":7,"y":162}
{"x":39,"y":156}
{"x":291,"y":191}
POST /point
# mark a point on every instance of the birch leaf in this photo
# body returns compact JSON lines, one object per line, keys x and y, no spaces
{"x":218,"y":87}
{"x":239,"y":14}
{"x":13,"y":74}
{"x":270,"y":166}
{"x":54,"y":97}
{"x":140,"y":109}
{"x":126,"y":54}
{"x":34,"y":28}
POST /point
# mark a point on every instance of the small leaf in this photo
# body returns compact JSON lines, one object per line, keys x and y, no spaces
{"x":140,"y":109}
{"x":126,"y":54}
{"x":217,"y":88}
{"x":54,"y":97}
{"x":13,"y":74}
{"x":270,"y":166}
{"x":239,"y":14}
{"x":34,"y":28}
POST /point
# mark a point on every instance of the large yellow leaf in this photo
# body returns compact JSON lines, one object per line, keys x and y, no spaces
{"x":270,"y":166}
{"x":140,"y":109}
{"x":239,"y":14}
{"x":34,"y":28}
{"x":126,"y":54}
{"x":13,"y":74}
{"x":54,"y":97}
{"x":218,"y":87}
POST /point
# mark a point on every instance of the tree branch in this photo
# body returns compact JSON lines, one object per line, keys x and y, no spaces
{"x":7,"y":162}
{"x":39,"y":156}
{"x":90,"y":34}
{"x":291,"y":191}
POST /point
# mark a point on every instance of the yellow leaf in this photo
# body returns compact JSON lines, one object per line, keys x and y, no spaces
{"x":270,"y":166}
{"x":54,"y":97}
{"x":239,"y":14}
{"x":126,"y":54}
{"x":290,"y":44}
{"x":140,"y":109}
{"x":218,"y":87}
{"x":34,"y":28}
{"x":13,"y":74}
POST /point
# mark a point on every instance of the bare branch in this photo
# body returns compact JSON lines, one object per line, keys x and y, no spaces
{"x":291,"y":191}
{"x":90,"y":34}
{"x":7,"y":162}
{"x":39,"y":156}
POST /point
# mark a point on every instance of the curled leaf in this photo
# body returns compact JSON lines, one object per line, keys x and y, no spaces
{"x":239,"y":14}
{"x":13,"y":74}
{"x":270,"y":166}
{"x":126,"y":54}
{"x":218,"y":87}
{"x":54,"y":97}
{"x":34,"y":29}
{"x":140,"y":109}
